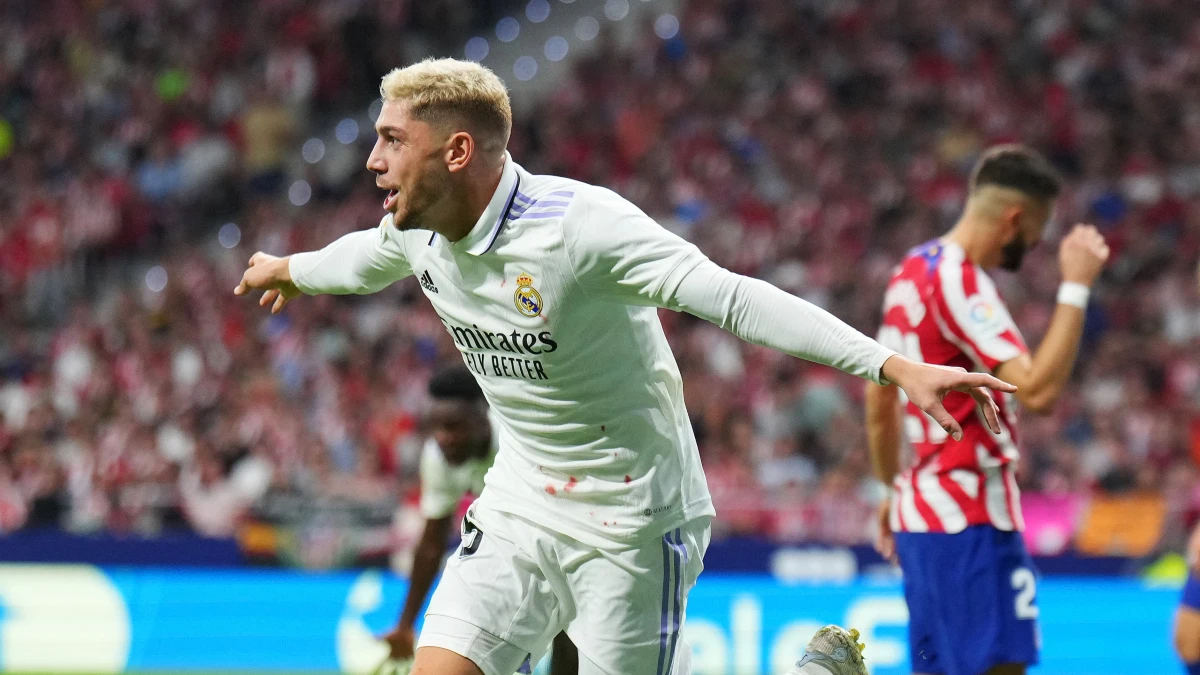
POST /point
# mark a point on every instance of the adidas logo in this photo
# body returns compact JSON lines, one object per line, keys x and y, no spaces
{"x":427,"y":282}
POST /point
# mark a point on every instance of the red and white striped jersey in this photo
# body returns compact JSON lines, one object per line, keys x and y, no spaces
{"x":940,"y":308}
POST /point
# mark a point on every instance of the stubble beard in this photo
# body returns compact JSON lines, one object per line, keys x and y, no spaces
{"x":412,"y":213}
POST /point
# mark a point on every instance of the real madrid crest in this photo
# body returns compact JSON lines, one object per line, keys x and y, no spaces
{"x":526,"y":298}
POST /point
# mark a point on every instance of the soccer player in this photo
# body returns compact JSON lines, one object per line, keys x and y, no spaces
{"x":595,"y":516}
{"x":461,"y":448}
{"x":956,"y":513}
{"x":1187,"y":618}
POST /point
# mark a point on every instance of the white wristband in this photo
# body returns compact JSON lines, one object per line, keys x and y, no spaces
{"x":1073,"y":293}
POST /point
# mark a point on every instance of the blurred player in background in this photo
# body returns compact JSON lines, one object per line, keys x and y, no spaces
{"x":1187,"y":619}
{"x":968,"y":580}
{"x":460,"y":450}
{"x":596,"y":515}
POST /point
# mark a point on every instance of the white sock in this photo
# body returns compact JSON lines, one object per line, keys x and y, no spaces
{"x":810,"y":668}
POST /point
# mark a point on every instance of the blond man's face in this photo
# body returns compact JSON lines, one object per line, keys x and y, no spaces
{"x":409,"y":161}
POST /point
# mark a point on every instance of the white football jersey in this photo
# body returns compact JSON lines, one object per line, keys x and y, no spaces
{"x":552,"y":300}
{"x":444,"y":485}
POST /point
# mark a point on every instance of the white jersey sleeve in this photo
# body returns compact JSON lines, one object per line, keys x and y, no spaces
{"x":622,"y":253}
{"x":619,"y":252}
{"x":762,"y":314}
{"x":358,"y":263}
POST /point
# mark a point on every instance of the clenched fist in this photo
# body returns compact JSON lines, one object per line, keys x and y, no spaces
{"x":271,"y":274}
{"x":1082,"y":255}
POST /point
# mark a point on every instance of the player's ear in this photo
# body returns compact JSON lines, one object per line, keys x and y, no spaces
{"x":460,"y":149}
{"x":1010,"y":221}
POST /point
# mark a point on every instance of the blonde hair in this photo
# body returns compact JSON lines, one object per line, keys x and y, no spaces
{"x":453,"y":92}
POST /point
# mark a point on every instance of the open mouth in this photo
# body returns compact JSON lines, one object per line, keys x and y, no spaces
{"x":391,"y":197}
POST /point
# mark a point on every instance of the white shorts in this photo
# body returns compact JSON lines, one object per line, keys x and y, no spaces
{"x":508,"y":590}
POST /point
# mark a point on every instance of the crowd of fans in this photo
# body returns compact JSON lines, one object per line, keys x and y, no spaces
{"x":808,"y":143}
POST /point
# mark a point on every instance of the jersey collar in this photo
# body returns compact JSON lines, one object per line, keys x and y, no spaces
{"x":481,"y":237}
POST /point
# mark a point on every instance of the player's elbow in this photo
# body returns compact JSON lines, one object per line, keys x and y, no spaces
{"x":1037,"y":401}
{"x":879,"y":398}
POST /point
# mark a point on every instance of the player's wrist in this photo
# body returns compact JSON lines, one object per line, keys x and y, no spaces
{"x":1082,"y":279}
{"x":1074,"y":293}
{"x":282,"y":269}
{"x":894,"y":369}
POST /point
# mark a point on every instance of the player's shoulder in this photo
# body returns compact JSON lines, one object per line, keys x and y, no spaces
{"x":919,"y":265}
{"x":556,"y":197}
{"x":920,"y":277}
{"x":958,"y":277}
{"x":545,"y":197}
{"x":936,"y":264}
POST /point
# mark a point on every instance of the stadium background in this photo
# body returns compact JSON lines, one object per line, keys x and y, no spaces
{"x":170,"y":441}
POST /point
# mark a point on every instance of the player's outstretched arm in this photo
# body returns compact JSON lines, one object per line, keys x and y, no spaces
{"x":427,"y":560}
{"x":619,"y":252}
{"x":760,"y":313}
{"x":358,"y":263}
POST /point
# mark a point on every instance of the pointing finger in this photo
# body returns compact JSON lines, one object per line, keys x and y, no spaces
{"x":972,"y":380}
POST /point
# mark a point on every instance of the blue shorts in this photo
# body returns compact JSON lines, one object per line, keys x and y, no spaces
{"x":1191,"y":593}
{"x":972,"y":600}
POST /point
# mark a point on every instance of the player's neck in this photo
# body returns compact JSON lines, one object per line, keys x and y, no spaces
{"x":467,"y":207}
{"x":971,"y":237}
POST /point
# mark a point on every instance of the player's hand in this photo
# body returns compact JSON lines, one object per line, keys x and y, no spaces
{"x":1082,"y":255}
{"x":926,"y":385}
{"x":885,"y":541}
{"x":271,"y":274}
{"x":400,"y":640}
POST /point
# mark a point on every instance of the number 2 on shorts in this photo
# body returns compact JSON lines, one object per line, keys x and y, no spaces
{"x":1025,"y":584}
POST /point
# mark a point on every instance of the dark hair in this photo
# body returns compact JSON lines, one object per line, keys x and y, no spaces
{"x":455,"y":383}
{"x":1019,"y":168}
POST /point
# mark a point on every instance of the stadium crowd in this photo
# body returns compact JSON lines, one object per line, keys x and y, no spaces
{"x":808,"y":143}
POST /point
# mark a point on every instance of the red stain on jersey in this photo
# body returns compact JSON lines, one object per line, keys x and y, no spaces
{"x":571,"y":484}
{"x":502,"y":282}
{"x":550,"y":490}
{"x":628,"y":479}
